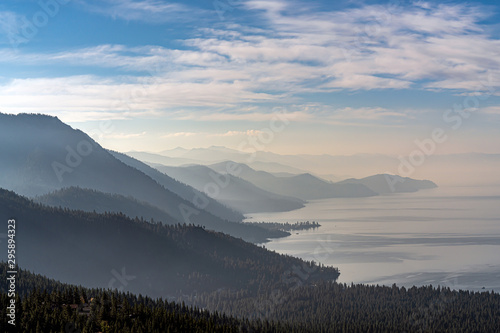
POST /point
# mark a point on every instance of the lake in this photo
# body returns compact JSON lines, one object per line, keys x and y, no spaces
{"x":444,"y":236}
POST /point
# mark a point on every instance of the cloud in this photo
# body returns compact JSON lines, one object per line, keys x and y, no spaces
{"x":495,"y":110}
{"x":151,"y":11}
{"x":243,"y":116}
{"x":10,"y":24}
{"x":365,"y":113}
{"x":238,"y":133}
{"x":124,"y":135}
{"x":124,"y":94}
{"x":179,"y":134}
{"x":292,"y":51}
{"x":212,"y":135}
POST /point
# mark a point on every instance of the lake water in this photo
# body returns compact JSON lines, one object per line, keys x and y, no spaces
{"x":444,"y":236}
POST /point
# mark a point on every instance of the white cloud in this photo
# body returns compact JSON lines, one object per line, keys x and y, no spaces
{"x":365,"y":113}
{"x":10,"y":24}
{"x":422,"y":46}
{"x":151,"y":11}
{"x":124,"y":135}
{"x":491,"y":110}
{"x":238,"y":133}
{"x":125,"y":94}
{"x":242,"y":116}
{"x":179,"y":134}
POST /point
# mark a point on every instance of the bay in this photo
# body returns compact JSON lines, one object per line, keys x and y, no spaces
{"x":446,"y":236}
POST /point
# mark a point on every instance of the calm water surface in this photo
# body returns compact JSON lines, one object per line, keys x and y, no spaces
{"x":445,"y":236}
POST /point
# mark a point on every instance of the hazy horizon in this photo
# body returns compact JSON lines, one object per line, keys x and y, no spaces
{"x":465,"y":169}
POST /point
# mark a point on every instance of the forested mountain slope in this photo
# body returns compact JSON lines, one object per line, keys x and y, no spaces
{"x":92,"y":249}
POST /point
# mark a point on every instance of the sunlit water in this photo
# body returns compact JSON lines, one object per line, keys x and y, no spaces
{"x":445,"y":236}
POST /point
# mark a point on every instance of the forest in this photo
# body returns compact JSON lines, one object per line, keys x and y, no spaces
{"x":46,"y":305}
{"x":165,"y":260}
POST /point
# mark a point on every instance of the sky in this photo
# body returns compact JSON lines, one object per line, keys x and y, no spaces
{"x":317,"y":77}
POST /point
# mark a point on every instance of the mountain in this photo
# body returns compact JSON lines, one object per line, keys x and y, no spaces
{"x":52,"y":306}
{"x":212,"y":153}
{"x":232,"y":191}
{"x":465,"y":169}
{"x":304,"y":186}
{"x":273,"y":167}
{"x":112,"y":250}
{"x":385,"y":183}
{"x":94,"y":201}
{"x":186,"y":192}
{"x":206,"y":156}
{"x":41,"y":154}
{"x":160,"y":159}
{"x":272,"y":162}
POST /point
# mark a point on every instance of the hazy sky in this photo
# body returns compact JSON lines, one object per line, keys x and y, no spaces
{"x":345,"y":77}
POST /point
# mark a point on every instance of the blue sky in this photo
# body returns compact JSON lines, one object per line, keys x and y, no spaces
{"x":351,"y":76}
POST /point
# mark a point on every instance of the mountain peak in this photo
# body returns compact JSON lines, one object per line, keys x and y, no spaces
{"x":30,"y":117}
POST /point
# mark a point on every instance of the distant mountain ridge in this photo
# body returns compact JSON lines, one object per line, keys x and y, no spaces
{"x":186,"y":192}
{"x":207,"y":156}
{"x":460,"y":169}
{"x":234,"y":192}
{"x":385,"y":183}
{"x":303,"y":186}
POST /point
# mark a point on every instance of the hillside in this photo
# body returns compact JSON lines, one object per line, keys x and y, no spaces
{"x":94,"y":201}
{"x":340,"y":308}
{"x":52,"y":306}
{"x":232,"y":191}
{"x":92,"y":249}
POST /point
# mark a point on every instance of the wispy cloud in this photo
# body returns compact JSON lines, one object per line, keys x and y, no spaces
{"x":425,"y":46}
{"x":10,"y":24}
{"x":240,"y":116}
{"x":365,"y":113}
{"x":179,"y":134}
{"x":152,"y":11}
{"x":124,"y":135}
{"x":238,"y":133}
{"x":250,"y":132}
{"x":379,"y":46}
{"x":495,"y":110}
{"x":124,"y":94}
